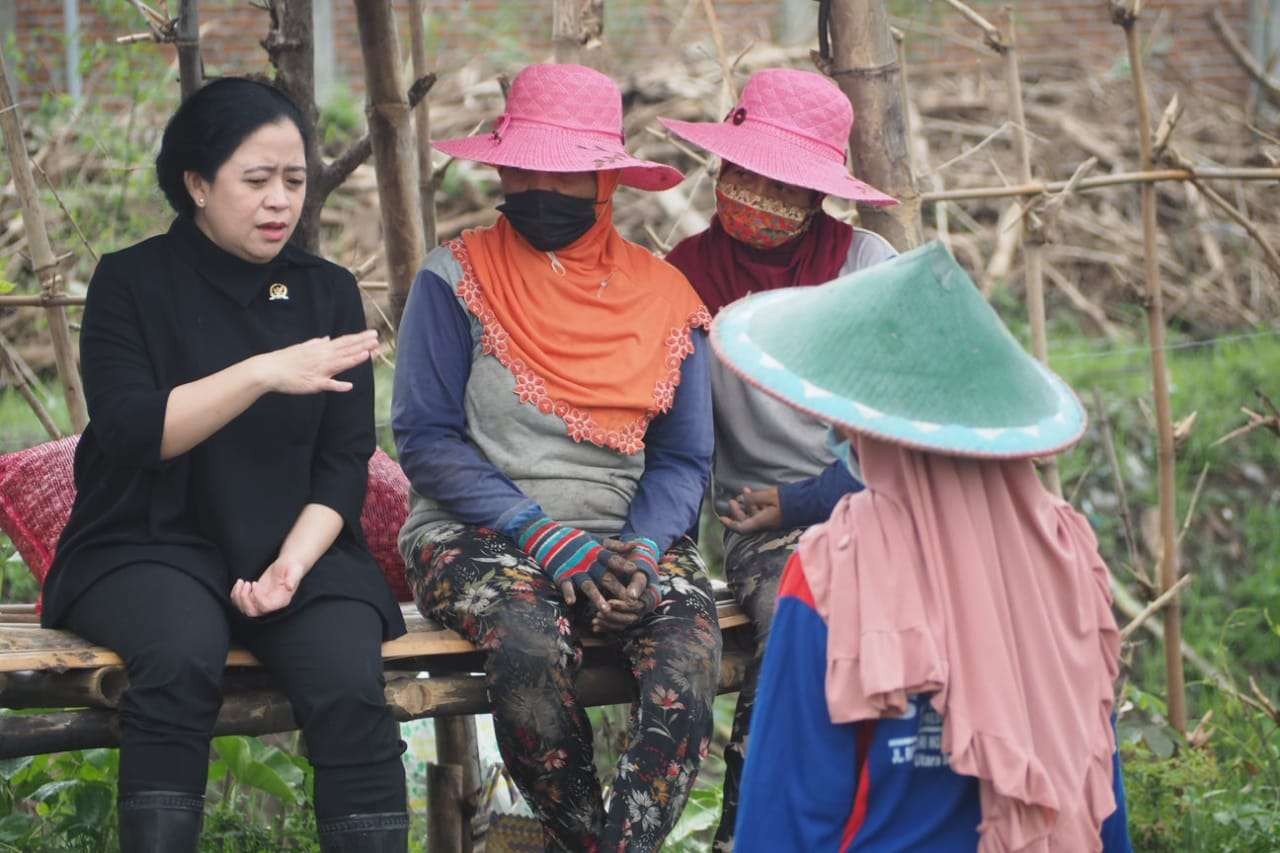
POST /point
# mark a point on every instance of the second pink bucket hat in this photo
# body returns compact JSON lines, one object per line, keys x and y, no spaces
{"x":791,"y":126}
{"x":562,"y":118}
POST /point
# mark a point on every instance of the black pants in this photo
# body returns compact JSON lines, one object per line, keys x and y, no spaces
{"x":173,"y":635}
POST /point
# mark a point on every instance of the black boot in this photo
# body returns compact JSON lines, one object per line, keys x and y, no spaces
{"x":160,"y":822}
{"x":384,"y":832}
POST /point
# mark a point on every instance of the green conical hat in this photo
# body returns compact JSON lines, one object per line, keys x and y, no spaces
{"x":907,"y":350}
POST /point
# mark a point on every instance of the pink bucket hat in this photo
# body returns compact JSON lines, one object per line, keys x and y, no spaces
{"x":791,"y":126}
{"x":562,"y":118}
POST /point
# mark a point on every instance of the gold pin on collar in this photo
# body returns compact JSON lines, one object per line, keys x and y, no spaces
{"x":278,"y":291}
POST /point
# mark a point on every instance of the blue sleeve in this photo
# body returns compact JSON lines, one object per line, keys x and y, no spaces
{"x":798,"y":786}
{"x":433,"y":365}
{"x":1115,"y":829}
{"x":811,"y":501}
{"x":677,"y":456}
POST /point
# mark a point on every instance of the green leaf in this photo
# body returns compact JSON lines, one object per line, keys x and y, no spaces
{"x":284,"y":764}
{"x":11,"y":767}
{"x":235,"y":751}
{"x":1159,"y":742}
{"x":217,"y":771}
{"x":15,"y":827}
{"x":51,"y":789}
{"x":260,"y":776}
{"x":93,"y":805}
{"x":6,"y":286}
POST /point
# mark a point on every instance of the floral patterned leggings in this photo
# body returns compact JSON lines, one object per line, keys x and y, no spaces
{"x":477,"y":582}
{"x":753,"y":565}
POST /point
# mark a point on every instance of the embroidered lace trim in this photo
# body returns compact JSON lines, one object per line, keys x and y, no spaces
{"x":531,"y":388}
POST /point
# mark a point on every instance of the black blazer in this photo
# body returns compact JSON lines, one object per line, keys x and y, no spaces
{"x":176,"y":308}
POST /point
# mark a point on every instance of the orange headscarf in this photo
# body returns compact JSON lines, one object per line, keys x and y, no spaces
{"x":594,"y":333}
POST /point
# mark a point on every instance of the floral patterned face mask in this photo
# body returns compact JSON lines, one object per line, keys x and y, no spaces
{"x":758,"y":221}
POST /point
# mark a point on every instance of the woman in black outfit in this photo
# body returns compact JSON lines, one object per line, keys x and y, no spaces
{"x":220,"y":483}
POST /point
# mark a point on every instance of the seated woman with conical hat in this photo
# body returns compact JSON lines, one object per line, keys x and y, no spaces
{"x":553,"y":414}
{"x":940,"y":676}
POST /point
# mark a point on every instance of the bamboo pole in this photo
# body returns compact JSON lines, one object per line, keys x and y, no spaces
{"x":43,"y":260}
{"x":864,"y":64}
{"x":1032,"y":228}
{"x":393,"y":149}
{"x":1149,"y":175}
{"x":97,"y":688}
{"x":1127,"y":16}
{"x":267,"y":711}
{"x":422,"y":126}
{"x":187,"y":40}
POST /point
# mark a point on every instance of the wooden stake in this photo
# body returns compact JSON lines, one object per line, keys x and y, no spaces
{"x":393,"y":149}
{"x":422,"y":126}
{"x":566,"y":30}
{"x":445,"y":830}
{"x":456,"y":745}
{"x":187,"y":40}
{"x":42,"y":257}
{"x":864,"y":64}
{"x":1127,"y":18}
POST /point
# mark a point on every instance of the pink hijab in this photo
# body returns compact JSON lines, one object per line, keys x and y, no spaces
{"x":967,"y":579}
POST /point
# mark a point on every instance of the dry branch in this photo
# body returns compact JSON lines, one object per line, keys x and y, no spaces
{"x":722,"y":55}
{"x":993,"y":37}
{"x":1269,"y":252}
{"x":1241,"y":53}
{"x":1154,"y":607}
{"x":12,"y":362}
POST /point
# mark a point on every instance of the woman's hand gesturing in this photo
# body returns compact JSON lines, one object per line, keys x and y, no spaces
{"x":309,"y":367}
{"x":272,"y":591}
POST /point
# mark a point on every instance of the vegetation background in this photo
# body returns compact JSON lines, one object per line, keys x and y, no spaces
{"x":1219,"y":789}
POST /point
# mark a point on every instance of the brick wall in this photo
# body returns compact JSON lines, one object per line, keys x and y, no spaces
{"x":508,"y":34}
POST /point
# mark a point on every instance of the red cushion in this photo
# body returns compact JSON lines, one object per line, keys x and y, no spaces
{"x":37,"y":488}
{"x":386,"y":505}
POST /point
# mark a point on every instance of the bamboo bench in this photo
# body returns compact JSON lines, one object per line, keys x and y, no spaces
{"x":430,"y":672}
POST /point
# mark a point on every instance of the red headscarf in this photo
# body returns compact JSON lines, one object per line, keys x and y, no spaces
{"x":723,"y":270}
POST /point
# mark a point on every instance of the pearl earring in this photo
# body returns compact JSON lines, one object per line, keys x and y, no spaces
{"x":200,"y":202}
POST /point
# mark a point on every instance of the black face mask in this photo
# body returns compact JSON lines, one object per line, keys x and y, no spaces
{"x":549,"y":220}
